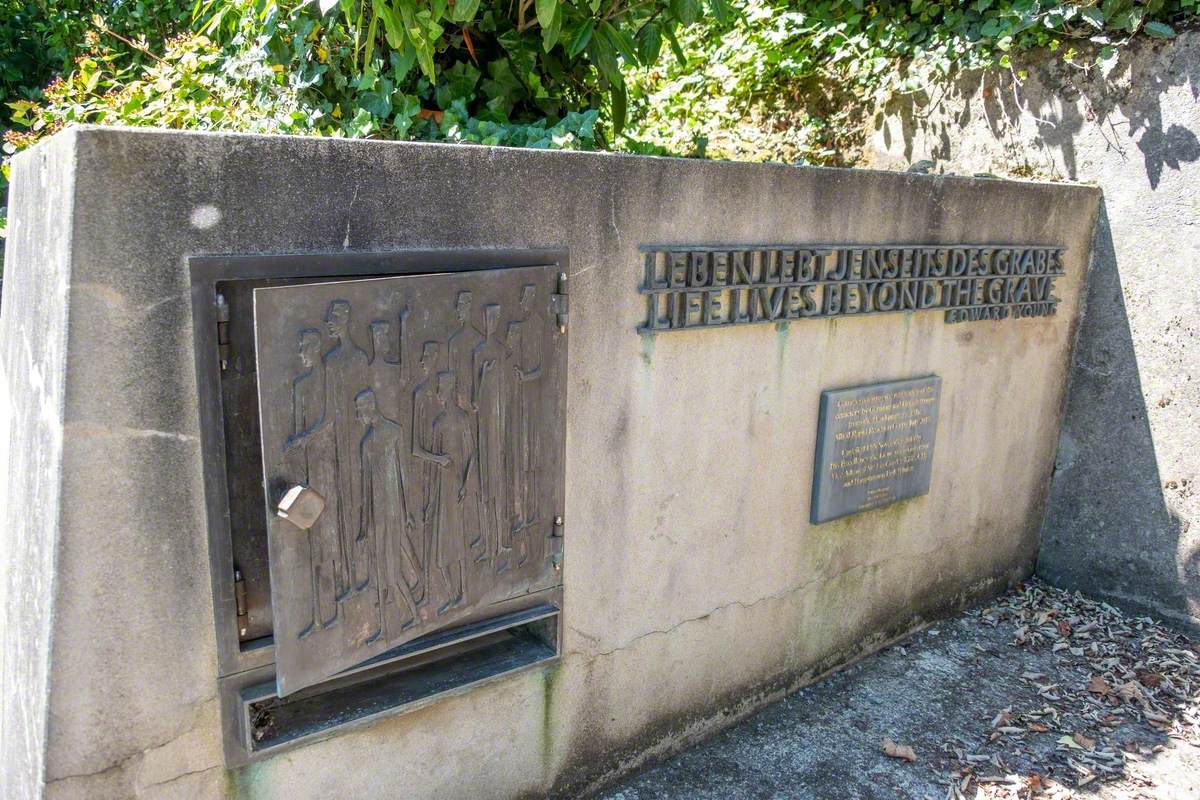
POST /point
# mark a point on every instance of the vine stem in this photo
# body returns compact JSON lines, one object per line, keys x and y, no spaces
{"x":105,"y":29}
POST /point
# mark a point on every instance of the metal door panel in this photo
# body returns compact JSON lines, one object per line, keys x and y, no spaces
{"x":426,"y":414}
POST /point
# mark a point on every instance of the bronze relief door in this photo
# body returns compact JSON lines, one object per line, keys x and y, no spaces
{"x":412,"y":432}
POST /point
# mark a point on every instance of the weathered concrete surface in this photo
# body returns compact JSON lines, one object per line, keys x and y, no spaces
{"x":945,"y":694}
{"x":1123,"y":520}
{"x":33,"y":345}
{"x":694,"y":588}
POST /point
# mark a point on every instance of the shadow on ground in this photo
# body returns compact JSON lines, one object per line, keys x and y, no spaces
{"x":1041,"y":694}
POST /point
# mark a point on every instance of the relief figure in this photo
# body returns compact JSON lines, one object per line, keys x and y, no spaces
{"x":385,"y":369}
{"x":533,"y":329}
{"x":460,"y":353}
{"x":514,"y":444}
{"x":309,"y":451}
{"x":400,"y":372}
{"x":488,"y":403}
{"x":346,"y":374}
{"x":453,"y":448}
{"x":460,"y":348}
{"x":391,"y":529}
{"x":424,"y":411}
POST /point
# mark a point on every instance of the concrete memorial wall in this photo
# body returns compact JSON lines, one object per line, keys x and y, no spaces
{"x":380,"y":469}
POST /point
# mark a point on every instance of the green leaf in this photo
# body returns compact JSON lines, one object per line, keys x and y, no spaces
{"x":675,"y":48}
{"x":602,"y":55}
{"x":581,"y":37}
{"x":376,"y":103}
{"x":551,"y":32}
{"x":464,"y":10}
{"x":1159,"y":30}
{"x":545,"y":11}
{"x":649,"y":43}
{"x":720,"y":10}
{"x":458,"y":82}
{"x":501,"y":88}
{"x":620,"y":41}
{"x":619,"y":106}
{"x":686,"y":11}
{"x":1094,"y":17}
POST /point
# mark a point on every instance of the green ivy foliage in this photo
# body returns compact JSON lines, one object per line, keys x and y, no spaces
{"x":823,"y":57}
{"x":659,"y":76}
{"x":528,"y":73}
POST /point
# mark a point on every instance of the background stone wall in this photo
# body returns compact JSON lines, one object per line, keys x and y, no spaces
{"x":1123,"y":514}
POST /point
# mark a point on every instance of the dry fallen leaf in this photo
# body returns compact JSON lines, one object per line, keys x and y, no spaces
{"x":893,"y":750}
{"x":1003,"y":718}
{"x":1084,"y":742}
{"x":1130,"y":691}
{"x":1069,"y":742}
{"x":1098,"y":685}
{"x":1038,"y":727}
{"x":1149,"y":679}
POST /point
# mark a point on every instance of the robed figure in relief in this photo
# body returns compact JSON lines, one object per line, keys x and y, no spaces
{"x":347,"y":372}
{"x":488,"y":402}
{"x":424,"y":410}
{"x":529,"y":371}
{"x":310,"y":453}
{"x":456,"y":467}
{"x":391,"y":529}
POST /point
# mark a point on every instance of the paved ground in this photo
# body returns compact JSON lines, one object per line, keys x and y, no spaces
{"x":1042,"y":694}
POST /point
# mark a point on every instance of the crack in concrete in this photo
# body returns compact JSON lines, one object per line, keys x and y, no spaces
{"x":117,"y":767}
{"x":743,"y":603}
{"x":612,"y":216}
{"x":180,"y":776}
{"x":193,"y":713}
{"x":349,"y":218}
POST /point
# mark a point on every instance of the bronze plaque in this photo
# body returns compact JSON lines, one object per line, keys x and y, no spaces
{"x":426,"y":413}
{"x":874,"y":446}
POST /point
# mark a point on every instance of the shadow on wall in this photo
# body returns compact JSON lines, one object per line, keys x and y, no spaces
{"x":1123,"y":518}
{"x":1108,"y":530}
{"x":1062,"y":101}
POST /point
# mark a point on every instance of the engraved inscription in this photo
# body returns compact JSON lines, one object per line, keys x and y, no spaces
{"x":874,"y":446}
{"x":697,"y":287}
{"x":432,"y":447}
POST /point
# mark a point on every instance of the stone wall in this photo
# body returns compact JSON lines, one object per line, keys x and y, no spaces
{"x":694,"y":588}
{"x":1122,"y":520}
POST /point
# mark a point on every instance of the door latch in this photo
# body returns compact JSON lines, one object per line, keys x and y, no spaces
{"x":301,"y":506}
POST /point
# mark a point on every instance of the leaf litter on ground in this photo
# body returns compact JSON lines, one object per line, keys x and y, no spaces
{"x":1118,"y":690}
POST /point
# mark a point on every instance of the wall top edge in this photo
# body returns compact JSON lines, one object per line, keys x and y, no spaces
{"x":533,"y":156}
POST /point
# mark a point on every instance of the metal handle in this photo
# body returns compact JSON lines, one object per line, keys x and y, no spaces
{"x":301,"y":506}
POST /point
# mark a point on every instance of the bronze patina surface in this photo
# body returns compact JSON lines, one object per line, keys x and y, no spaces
{"x":424,"y":410}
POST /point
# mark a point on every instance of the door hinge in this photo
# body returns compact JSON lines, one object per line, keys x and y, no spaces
{"x":557,"y":533}
{"x":560,"y":303}
{"x":223,"y":330}
{"x":239,"y":598}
